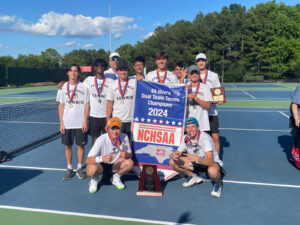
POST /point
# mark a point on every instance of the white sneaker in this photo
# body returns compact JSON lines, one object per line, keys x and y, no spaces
{"x":216,"y":191}
{"x":93,"y":185}
{"x":116,"y":180}
{"x":190,"y":181}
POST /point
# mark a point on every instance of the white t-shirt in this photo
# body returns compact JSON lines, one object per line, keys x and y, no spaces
{"x":212,"y":80}
{"x":97,"y":105}
{"x":196,"y":110}
{"x":200,"y":147}
{"x":73,"y":116}
{"x":103,"y":146}
{"x":111,"y":74}
{"x":170,"y":77}
{"x":123,"y":107}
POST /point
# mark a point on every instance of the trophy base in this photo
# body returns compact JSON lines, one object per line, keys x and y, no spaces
{"x":149,"y":193}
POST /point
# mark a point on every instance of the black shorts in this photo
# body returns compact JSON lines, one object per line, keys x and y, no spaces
{"x":214,"y":124}
{"x":126,"y":129}
{"x":202,"y":168}
{"x":68,"y":137}
{"x":96,"y":126}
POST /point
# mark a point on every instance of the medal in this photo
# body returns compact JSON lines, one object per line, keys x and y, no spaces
{"x":122,"y":92}
{"x":187,"y":138}
{"x":164,"y":77}
{"x":72,"y":95}
{"x":99,"y":90}
{"x":195,"y":95}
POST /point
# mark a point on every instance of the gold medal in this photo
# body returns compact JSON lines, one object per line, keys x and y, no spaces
{"x":194,"y":107}
{"x":70,"y":105}
{"x":99,"y":100}
{"x":122,"y":101}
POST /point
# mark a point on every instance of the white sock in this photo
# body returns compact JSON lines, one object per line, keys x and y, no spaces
{"x":79,"y":166}
{"x":117,"y":175}
{"x":70,"y":167}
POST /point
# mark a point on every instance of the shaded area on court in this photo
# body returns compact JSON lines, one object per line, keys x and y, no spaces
{"x":12,"y":178}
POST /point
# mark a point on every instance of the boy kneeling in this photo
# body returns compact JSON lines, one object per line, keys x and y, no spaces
{"x":197,"y":153}
{"x":111,"y":150}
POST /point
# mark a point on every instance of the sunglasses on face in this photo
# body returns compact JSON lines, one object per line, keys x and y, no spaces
{"x":115,"y":59}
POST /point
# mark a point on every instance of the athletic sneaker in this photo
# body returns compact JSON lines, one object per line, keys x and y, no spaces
{"x":69,"y":174}
{"x":191,"y":180}
{"x":80,"y":174}
{"x":216,"y":191}
{"x":93,"y":185}
{"x":116,"y":180}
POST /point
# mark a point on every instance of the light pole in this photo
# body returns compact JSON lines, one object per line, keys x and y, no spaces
{"x":109,"y":27}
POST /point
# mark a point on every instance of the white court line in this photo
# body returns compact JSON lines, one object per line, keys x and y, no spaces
{"x":29,"y":122}
{"x":262,"y":130}
{"x":32,"y":168}
{"x":282,"y":113}
{"x":86,"y":215}
{"x":248,"y":94}
{"x":225,"y":181}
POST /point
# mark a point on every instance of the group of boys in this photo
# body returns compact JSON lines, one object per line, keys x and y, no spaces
{"x":104,"y":103}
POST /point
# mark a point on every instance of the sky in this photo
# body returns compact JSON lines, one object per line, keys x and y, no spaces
{"x":32,"y":26}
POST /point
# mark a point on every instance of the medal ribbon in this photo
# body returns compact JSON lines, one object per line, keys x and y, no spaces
{"x":197,"y":90}
{"x":73,"y":92}
{"x":122,"y":92}
{"x":205,"y":78}
{"x":116,"y":142}
{"x":164,"y":77}
{"x":99,"y":90}
{"x":187,"y":139}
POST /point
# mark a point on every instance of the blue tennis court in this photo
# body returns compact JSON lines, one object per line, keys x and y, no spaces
{"x":261,"y":186}
{"x":34,"y":94}
{"x":258,"y":95}
{"x":252,"y":85}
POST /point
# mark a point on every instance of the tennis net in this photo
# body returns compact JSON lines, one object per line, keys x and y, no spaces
{"x":25,"y":124}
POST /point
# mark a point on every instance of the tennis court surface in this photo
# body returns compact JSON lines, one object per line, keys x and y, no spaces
{"x":261,"y":185}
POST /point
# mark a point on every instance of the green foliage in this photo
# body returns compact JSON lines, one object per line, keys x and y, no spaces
{"x":261,"y":42}
{"x":2,"y":76}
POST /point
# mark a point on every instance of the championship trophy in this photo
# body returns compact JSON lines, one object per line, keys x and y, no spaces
{"x":149,"y":184}
{"x":218,"y":95}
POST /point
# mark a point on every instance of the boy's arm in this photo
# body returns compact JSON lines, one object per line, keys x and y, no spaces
{"x":86,"y":116}
{"x":60,"y":114}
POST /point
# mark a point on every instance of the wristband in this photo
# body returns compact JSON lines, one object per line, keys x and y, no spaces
{"x":99,"y":159}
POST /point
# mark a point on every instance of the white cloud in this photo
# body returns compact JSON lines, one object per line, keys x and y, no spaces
{"x":117,"y":36}
{"x":88,"y":45}
{"x":52,"y":23}
{"x":7,"y":19}
{"x":146,"y":36}
{"x":68,"y":44}
{"x":1,"y":46}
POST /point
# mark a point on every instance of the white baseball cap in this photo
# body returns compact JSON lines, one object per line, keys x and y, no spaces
{"x":201,"y":56}
{"x":114,"y":54}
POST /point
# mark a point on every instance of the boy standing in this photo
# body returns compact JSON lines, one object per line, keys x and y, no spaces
{"x":73,"y":113}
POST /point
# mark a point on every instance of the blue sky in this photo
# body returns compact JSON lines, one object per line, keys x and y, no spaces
{"x":32,"y":26}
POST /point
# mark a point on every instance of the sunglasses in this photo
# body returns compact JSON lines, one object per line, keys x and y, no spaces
{"x":115,"y":59}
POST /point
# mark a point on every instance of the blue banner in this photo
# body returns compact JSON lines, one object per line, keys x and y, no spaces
{"x":158,"y":124}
